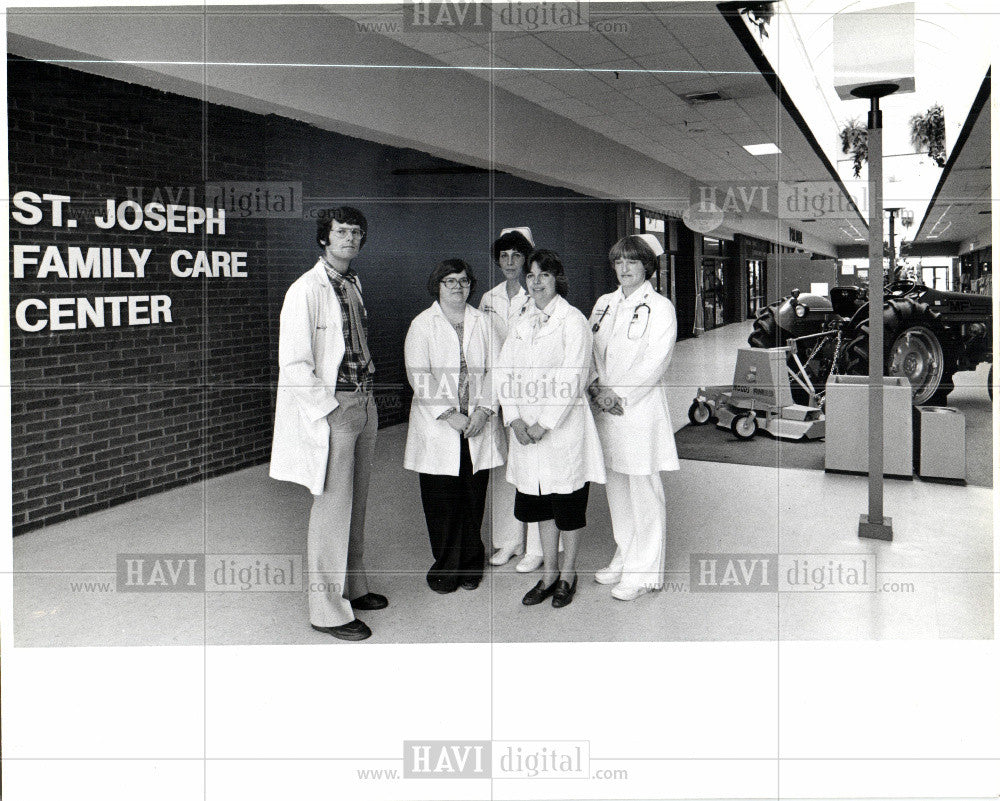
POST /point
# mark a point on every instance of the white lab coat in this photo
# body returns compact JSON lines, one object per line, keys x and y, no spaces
{"x":632,"y":347}
{"x":503,"y":310}
{"x":432,"y":367}
{"x":310,"y":349}
{"x":541,"y":378}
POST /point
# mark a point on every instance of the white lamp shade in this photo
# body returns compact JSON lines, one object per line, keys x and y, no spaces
{"x":874,"y":46}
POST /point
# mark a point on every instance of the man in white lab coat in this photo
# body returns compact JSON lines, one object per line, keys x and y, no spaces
{"x":325,"y":422}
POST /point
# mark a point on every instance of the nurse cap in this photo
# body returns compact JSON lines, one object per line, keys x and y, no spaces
{"x":523,"y":231}
{"x":653,"y":242}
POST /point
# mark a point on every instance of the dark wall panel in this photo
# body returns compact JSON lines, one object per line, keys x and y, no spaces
{"x":105,"y":415}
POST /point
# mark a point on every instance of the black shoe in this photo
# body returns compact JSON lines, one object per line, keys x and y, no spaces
{"x":563,"y":593}
{"x":538,"y":593}
{"x":470,"y":583}
{"x":355,"y":630}
{"x":369,"y":601}
{"x":442,"y":586}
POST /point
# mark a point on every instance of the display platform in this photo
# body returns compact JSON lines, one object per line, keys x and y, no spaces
{"x":709,"y":443}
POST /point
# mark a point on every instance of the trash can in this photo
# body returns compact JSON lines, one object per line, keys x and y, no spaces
{"x":847,"y":426}
{"x":939,"y":443}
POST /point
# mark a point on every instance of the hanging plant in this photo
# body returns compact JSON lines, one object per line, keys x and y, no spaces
{"x":854,"y":140}
{"x":927,"y":134}
{"x":759,"y":15}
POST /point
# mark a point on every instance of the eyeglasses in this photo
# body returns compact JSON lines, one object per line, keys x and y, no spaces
{"x":348,"y":233}
{"x":451,"y":283}
{"x":511,"y":256}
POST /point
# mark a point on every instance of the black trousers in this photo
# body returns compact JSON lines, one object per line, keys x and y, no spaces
{"x":453,"y":509}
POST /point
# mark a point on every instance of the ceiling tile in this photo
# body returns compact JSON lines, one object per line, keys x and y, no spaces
{"x":526,"y":85}
{"x":572,"y":108}
{"x":624,"y":74}
{"x":576,"y":83}
{"x":527,"y":52}
{"x":584,"y":48}
{"x":466,"y":57}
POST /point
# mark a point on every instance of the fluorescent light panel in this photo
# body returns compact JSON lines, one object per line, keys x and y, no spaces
{"x":765,"y":149}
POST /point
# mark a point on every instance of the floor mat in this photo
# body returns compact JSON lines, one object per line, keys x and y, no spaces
{"x":709,"y":443}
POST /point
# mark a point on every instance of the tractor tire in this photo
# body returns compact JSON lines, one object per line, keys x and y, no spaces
{"x":989,"y":382}
{"x":766,"y":333}
{"x":917,"y":347}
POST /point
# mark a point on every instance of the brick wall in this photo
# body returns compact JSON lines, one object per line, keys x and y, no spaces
{"x":105,"y":415}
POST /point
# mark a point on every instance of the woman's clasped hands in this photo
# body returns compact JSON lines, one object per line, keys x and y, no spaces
{"x":528,"y":435}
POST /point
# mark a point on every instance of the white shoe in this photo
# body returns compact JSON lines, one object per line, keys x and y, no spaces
{"x":505,"y":554}
{"x":608,"y":575}
{"x":628,"y":593}
{"x":529,"y":563}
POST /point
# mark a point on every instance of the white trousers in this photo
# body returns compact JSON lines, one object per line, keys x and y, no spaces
{"x":639,"y":521}
{"x":507,"y":530}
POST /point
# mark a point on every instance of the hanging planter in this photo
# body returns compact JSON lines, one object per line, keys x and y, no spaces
{"x":854,"y":140}
{"x":927,"y":134}
{"x":759,"y":15}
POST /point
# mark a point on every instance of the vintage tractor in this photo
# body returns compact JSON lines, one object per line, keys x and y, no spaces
{"x":929,"y":335}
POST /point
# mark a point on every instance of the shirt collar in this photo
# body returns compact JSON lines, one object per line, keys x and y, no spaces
{"x":551,"y":307}
{"x":331,"y":271}
{"x":636,"y":297}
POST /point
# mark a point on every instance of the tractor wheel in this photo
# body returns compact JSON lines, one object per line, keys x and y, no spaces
{"x":766,"y":333}
{"x":917,"y":347}
{"x":699,"y":413}
{"x":744,"y":426}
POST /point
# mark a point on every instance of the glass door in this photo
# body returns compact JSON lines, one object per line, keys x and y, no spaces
{"x":713,"y":291}
{"x":756,"y":287}
{"x":713,"y":283}
{"x":935,"y":277}
{"x":657,"y":224}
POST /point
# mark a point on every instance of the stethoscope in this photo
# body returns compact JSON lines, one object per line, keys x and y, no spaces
{"x":634,"y":333}
{"x":597,"y":326}
{"x":636,"y":316}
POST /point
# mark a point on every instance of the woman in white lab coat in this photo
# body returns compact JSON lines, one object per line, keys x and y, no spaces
{"x":554,"y":449}
{"x":453,"y":440}
{"x":635,"y":329}
{"x":505,"y":303}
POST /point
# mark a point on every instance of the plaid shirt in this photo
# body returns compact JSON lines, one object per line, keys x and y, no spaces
{"x":354,"y":371}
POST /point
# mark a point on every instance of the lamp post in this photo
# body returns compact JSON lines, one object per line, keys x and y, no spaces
{"x":875,"y":525}
{"x":873,"y":57}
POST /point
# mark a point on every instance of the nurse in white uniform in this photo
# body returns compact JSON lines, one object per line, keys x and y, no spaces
{"x":554,"y":451}
{"x":505,"y":304}
{"x":635,"y":329}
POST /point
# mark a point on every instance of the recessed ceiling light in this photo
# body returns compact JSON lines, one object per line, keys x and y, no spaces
{"x":697,"y":98}
{"x":765,"y":149}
